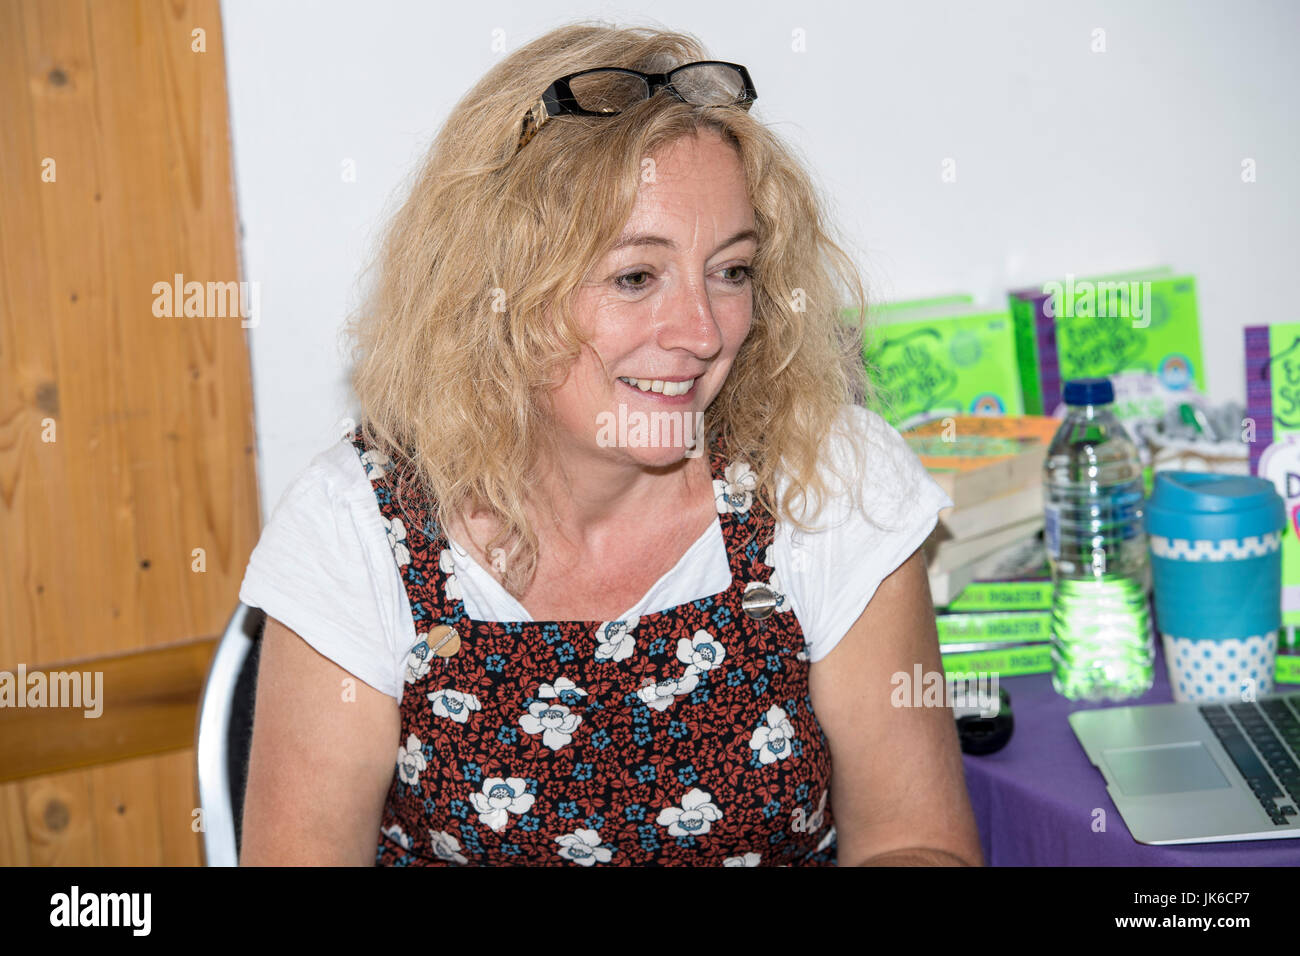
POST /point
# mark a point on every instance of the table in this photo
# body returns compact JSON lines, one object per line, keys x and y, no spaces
{"x":1034,"y":800}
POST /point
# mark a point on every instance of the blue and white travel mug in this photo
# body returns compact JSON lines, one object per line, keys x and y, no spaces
{"x":1216,"y":568}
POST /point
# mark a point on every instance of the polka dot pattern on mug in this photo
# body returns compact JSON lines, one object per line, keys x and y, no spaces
{"x":1203,"y":670}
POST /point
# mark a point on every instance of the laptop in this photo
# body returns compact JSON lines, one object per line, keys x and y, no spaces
{"x":1200,"y":773}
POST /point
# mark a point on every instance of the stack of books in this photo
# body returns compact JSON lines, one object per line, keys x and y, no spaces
{"x":989,"y":576}
{"x":1002,"y":621}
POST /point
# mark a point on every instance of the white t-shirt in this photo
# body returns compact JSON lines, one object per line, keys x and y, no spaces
{"x":324,"y":568}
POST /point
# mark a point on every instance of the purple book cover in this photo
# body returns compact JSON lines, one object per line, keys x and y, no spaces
{"x":1049,"y":362}
{"x":1259,"y":391}
{"x":1049,"y":376}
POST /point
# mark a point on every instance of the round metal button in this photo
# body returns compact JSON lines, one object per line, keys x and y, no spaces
{"x":759,"y":602}
{"x":443,"y":640}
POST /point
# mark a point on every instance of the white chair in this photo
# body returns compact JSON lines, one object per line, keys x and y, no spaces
{"x":225,"y":734}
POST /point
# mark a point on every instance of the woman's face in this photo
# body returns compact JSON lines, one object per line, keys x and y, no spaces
{"x":667,"y":312}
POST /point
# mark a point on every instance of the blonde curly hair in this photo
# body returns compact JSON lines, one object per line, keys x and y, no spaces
{"x":454,"y":388}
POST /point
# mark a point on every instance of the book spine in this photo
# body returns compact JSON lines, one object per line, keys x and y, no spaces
{"x":1010,"y":626}
{"x":1022,"y":322}
{"x":1027,"y":595}
{"x":1049,"y":361}
{"x":1259,"y":391}
{"x":1011,"y":662}
{"x":986,"y":647}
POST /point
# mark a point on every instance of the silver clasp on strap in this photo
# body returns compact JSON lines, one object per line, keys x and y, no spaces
{"x":759,"y":602}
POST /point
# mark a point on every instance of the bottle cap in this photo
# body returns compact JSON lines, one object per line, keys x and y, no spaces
{"x":1089,"y":391}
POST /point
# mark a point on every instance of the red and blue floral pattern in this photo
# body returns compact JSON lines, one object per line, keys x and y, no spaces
{"x":683,"y":737}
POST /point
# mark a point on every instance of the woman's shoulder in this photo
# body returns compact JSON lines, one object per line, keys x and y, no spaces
{"x":862,"y":533}
{"x":348,"y":466}
{"x":869,"y":472}
{"x":873,"y":434}
{"x":322,"y":567}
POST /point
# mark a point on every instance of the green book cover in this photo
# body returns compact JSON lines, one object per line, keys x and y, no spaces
{"x":944,"y":359}
{"x":878,"y":312}
{"x":1288,"y":669}
{"x":1029,"y":594}
{"x":1141,"y":329}
{"x":1029,"y":353}
{"x":1010,"y":626}
{"x":1006,"y":662}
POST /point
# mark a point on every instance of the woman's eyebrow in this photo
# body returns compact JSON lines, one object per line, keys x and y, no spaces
{"x":646,"y":239}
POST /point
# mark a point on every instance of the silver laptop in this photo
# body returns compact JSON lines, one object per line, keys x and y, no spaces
{"x":1200,"y":773}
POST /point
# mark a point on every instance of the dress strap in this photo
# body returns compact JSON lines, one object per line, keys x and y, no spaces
{"x":424,"y":561}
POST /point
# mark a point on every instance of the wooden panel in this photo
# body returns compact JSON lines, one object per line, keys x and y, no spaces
{"x":147,"y":703}
{"x":133,"y":813}
{"x":115,"y":175}
{"x":153,"y":456}
{"x":59,"y":824}
{"x":180,"y":844}
{"x":14,"y":849}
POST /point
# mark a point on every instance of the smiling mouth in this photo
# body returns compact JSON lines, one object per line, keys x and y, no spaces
{"x":659,"y":385}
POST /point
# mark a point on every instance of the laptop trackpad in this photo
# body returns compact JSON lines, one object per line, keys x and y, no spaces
{"x":1172,"y":768}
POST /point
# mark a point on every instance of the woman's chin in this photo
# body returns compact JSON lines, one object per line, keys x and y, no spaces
{"x":659,"y":457}
{"x":656,"y":438}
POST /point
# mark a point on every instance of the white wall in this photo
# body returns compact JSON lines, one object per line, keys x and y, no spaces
{"x":1067,"y":160}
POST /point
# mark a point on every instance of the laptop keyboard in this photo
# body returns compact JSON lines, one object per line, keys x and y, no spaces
{"x":1263,"y":740}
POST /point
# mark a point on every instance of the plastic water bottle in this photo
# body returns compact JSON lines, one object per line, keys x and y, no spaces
{"x":1102,"y":642}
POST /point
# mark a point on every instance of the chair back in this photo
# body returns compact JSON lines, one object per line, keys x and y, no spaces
{"x":225,"y":734}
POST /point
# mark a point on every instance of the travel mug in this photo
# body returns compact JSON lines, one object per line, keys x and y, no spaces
{"x":1216,"y":566}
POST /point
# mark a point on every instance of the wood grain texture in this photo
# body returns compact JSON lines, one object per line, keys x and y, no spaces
{"x":58,"y":821}
{"x":136,"y":812}
{"x":132,"y":527}
{"x":147,"y":703}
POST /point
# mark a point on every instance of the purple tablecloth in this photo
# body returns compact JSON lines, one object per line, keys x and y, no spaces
{"x":1034,"y":800}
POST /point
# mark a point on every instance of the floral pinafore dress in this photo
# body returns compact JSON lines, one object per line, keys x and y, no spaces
{"x":683,"y":737}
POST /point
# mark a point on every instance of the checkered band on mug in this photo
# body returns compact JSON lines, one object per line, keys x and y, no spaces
{"x":1227,"y":549}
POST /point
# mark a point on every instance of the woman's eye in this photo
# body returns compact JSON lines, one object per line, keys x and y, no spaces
{"x":627,"y":281}
{"x":622,"y":282}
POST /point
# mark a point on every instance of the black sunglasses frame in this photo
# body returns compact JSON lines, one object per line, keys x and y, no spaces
{"x":558,"y":100}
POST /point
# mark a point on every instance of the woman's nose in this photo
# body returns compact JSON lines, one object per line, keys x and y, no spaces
{"x":686,"y":320}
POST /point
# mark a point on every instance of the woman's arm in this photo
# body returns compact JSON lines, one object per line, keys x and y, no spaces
{"x":323,"y":756}
{"x":898,"y":791}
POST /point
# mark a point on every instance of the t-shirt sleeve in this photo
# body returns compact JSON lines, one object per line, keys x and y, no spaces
{"x":322,"y":567}
{"x":835,"y":571}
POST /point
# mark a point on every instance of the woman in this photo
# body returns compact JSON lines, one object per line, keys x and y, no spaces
{"x":655,"y":562}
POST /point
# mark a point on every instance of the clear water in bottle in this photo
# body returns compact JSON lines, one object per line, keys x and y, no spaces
{"x":1102,"y":643}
